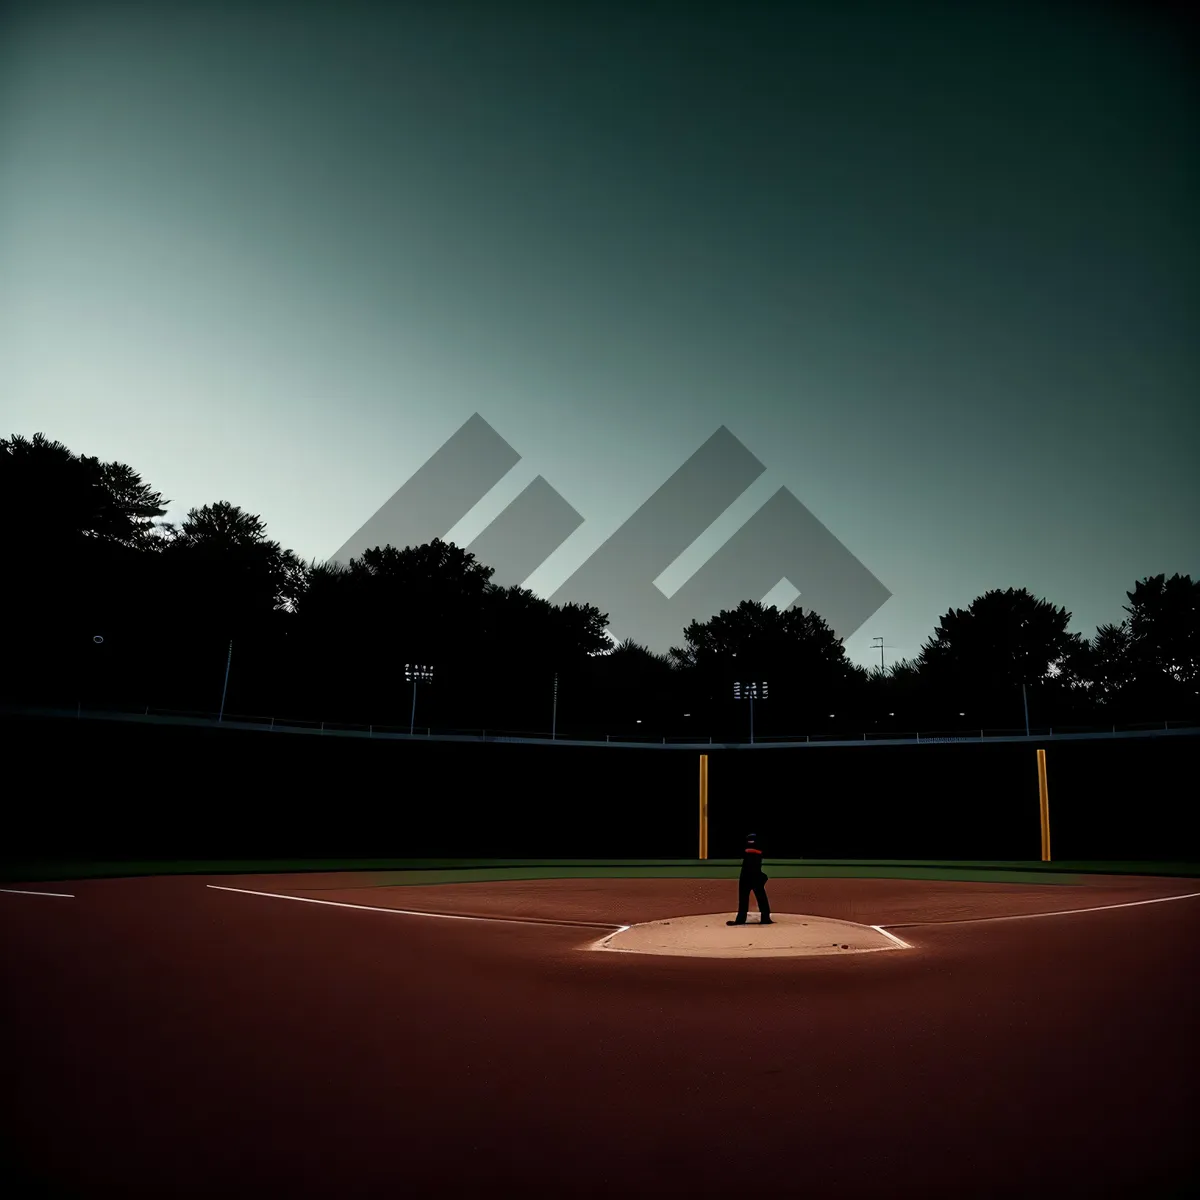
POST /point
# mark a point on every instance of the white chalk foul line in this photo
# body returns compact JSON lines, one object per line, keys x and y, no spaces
{"x":1062,"y":912}
{"x":883,"y":929}
{"x":880,"y":929}
{"x":27,"y":892}
{"x":413,"y":912}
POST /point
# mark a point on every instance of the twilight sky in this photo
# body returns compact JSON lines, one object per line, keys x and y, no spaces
{"x":934,"y":265}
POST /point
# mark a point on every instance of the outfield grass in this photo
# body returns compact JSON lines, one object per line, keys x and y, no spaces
{"x":392,"y":872}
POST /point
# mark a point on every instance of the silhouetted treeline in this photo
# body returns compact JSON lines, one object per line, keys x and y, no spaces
{"x":91,"y":558}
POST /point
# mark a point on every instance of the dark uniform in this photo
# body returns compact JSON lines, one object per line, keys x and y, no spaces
{"x":753,"y":880}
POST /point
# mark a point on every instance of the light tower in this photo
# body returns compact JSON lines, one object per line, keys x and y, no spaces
{"x":416,"y":673}
{"x":751,"y":692}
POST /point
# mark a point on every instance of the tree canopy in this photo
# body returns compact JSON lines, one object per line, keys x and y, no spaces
{"x":52,"y":497}
{"x":1001,"y":638}
{"x":762,"y":639}
{"x":92,"y":555}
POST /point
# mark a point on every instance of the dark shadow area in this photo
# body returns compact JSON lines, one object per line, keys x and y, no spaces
{"x":126,"y":790}
{"x":122,"y":790}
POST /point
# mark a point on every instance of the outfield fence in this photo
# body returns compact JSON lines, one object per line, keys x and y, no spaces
{"x":162,"y":786}
{"x":283,"y":724}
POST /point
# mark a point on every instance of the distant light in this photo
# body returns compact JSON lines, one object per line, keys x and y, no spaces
{"x":639,"y":720}
{"x":832,"y":715}
{"x":891,"y":714}
{"x":687,"y":714}
{"x":962,"y":714}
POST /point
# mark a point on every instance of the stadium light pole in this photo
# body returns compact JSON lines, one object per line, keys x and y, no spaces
{"x":416,"y":673}
{"x":750,"y":691}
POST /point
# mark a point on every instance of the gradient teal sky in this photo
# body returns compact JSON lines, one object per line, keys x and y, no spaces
{"x":934,"y":265}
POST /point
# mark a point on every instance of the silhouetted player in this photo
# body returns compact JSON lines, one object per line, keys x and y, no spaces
{"x":753,"y":880}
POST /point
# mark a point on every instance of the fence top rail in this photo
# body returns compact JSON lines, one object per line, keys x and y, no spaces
{"x":528,"y":738}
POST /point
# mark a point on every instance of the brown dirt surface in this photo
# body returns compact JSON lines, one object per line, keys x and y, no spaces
{"x":165,"y":1039}
{"x":630,"y":901}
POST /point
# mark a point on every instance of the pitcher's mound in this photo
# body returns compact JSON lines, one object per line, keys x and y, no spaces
{"x":709,"y":936}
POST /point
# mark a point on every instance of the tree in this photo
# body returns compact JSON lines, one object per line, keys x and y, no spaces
{"x":895,"y":698}
{"x":358,"y":624}
{"x":72,"y":525}
{"x":222,"y":526}
{"x":1161,"y":643}
{"x":980,"y":656}
{"x":518,"y":626}
{"x":1109,"y":671}
{"x":135,"y":503}
{"x":794,"y":651}
{"x":1147,"y":665}
{"x":431,"y":596}
{"x":1110,"y":665}
{"x":634,"y":663}
{"x":1164,"y":627}
{"x":95,"y":566}
{"x":226,"y":572}
{"x":329,"y":663}
{"x":51,"y":497}
{"x":583,"y":631}
{"x":222,"y":579}
{"x":75,"y":531}
{"x":495,"y":650}
{"x":628,"y":684}
{"x":1068,"y":695}
{"x":518,"y":647}
{"x":760,"y":638}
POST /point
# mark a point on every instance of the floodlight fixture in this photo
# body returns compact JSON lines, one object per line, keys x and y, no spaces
{"x":416,"y":673}
{"x":751,"y":691}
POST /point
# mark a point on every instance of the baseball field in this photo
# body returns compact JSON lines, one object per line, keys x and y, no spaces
{"x":399,"y":1027}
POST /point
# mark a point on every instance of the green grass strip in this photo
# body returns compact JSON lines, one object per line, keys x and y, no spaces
{"x":390,"y":872}
{"x":513,"y":874}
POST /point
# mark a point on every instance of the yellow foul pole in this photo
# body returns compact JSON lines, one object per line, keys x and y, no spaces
{"x":704,"y":806}
{"x":1044,"y":797}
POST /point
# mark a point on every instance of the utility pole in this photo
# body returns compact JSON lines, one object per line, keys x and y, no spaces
{"x":221,"y":714}
{"x":880,"y":641}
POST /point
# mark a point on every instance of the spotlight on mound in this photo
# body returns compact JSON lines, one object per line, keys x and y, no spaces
{"x":788,"y":936}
